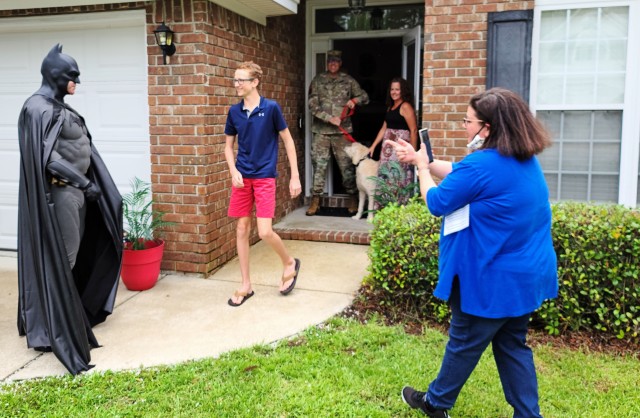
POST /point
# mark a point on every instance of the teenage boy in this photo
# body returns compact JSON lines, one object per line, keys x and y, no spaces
{"x":257,"y":123}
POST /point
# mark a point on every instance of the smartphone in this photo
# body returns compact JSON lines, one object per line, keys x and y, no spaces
{"x":424,"y":137}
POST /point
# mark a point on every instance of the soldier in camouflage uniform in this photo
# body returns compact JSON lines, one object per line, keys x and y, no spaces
{"x":328,"y":94}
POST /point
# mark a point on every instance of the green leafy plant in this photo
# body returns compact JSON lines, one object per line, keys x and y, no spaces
{"x":141,"y":221}
{"x":388,"y":190}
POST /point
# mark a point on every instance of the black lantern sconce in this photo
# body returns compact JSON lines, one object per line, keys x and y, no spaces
{"x":356,"y":6}
{"x":164,"y":39}
{"x":376,"y":18}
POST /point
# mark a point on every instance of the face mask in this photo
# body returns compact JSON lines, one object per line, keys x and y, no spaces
{"x":475,"y":143}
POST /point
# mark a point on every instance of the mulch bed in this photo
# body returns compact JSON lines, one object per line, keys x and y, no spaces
{"x":367,"y":303}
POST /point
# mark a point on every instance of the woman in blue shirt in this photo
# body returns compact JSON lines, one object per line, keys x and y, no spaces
{"x":497,"y":263}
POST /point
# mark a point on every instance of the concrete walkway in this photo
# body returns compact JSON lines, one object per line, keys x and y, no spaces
{"x":184,"y":318}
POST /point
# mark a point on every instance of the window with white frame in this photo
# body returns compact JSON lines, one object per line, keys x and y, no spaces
{"x":584,"y":92}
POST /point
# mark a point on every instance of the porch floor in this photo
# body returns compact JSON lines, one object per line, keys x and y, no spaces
{"x":297,"y":226}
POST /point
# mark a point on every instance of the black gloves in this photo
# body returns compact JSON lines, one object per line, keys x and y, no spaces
{"x":92,"y":192}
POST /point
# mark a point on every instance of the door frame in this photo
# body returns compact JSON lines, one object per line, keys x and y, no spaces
{"x":321,"y":43}
{"x":413,"y":37}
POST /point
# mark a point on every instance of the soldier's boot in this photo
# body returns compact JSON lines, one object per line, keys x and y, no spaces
{"x":353,"y":205}
{"x":313,"y":206}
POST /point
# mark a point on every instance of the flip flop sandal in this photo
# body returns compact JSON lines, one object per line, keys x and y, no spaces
{"x":243,"y":295}
{"x":294,"y":276}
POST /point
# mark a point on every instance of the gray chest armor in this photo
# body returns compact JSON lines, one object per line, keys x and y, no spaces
{"x":73,"y":144}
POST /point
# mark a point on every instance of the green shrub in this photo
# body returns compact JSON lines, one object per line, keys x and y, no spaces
{"x":598,"y":250}
{"x":404,"y":257}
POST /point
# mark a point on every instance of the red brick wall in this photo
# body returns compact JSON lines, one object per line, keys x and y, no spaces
{"x":455,"y":49}
{"x":188,"y":103}
{"x":189,"y":99}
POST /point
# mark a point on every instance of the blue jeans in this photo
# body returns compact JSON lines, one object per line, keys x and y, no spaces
{"x":469,"y":336}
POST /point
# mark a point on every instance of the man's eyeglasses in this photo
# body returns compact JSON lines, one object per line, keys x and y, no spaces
{"x":242,"y":80}
{"x":466,"y":121}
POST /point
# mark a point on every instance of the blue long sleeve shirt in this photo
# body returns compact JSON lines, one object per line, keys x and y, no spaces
{"x":504,"y":259}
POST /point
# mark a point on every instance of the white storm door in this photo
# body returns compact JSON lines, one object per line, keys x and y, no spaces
{"x":411,"y":59}
{"x":111,"y":52}
{"x":316,"y":64}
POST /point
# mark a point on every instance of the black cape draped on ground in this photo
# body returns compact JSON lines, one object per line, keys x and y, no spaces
{"x":57,"y":306}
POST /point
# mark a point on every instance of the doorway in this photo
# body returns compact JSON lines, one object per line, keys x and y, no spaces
{"x":373,"y":63}
{"x":373,"y":52}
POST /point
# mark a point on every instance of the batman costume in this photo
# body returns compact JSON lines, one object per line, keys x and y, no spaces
{"x":69,"y":223}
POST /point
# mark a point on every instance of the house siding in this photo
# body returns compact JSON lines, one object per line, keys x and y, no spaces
{"x":455,"y":58}
{"x":188,"y":103}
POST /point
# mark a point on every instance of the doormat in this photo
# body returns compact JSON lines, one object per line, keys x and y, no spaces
{"x":336,"y":212}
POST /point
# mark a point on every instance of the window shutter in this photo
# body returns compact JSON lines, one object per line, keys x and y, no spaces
{"x":509,"y":51}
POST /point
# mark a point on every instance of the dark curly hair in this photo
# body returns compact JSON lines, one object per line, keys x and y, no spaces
{"x":405,"y":91}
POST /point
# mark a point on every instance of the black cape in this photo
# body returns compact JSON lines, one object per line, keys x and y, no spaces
{"x":57,"y":306}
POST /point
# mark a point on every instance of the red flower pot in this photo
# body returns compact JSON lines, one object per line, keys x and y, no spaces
{"x":141,"y":268}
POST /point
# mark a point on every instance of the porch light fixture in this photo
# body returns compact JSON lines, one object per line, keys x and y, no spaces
{"x":376,"y":19}
{"x":164,"y":39}
{"x":356,"y":6}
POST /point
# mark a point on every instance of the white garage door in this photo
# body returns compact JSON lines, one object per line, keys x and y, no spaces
{"x":111,"y":52}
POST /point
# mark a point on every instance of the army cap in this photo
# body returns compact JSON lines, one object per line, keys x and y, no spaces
{"x":334,"y":55}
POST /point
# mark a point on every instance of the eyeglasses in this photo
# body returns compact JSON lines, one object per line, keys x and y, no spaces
{"x":466,"y":121}
{"x":240,"y":81}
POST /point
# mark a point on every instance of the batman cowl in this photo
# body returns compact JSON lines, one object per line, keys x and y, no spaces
{"x":57,"y":70}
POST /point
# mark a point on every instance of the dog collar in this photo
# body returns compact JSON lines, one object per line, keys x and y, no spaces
{"x":362,"y":159}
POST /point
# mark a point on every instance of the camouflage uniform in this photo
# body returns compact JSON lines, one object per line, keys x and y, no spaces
{"x":327,"y":97}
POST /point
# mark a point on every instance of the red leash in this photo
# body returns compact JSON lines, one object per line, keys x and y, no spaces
{"x":346,"y":112}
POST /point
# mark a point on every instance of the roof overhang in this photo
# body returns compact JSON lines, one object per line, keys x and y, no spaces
{"x":259,"y":10}
{"x":256,"y":10}
{"x":37,"y":4}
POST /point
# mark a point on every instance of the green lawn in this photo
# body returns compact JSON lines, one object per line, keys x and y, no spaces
{"x":339,"y":369}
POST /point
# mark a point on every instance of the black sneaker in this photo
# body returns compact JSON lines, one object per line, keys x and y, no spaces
{"x":415,"y":399}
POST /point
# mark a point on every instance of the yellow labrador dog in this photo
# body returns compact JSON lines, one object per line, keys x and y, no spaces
{"x":365,"y":168}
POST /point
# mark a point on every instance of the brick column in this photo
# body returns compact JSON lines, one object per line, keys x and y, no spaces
{"x":189,"y":99}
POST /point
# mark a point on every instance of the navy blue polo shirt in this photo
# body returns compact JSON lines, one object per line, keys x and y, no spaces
{"x":257,"y":138}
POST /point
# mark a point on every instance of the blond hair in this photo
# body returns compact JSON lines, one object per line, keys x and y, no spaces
{"x":254,"y":69}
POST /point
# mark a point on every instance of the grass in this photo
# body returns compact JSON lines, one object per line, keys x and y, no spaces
{"x":340,"y":369}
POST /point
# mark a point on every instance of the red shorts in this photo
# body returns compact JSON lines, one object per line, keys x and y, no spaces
{"x":260,"y":191}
